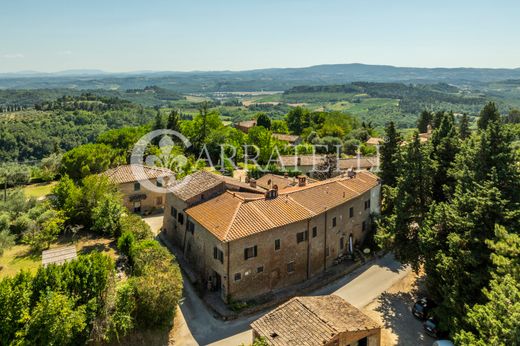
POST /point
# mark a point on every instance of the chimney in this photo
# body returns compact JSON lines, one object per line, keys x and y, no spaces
{"x":351,"y":173}
{"x":252,"y":183}
{"x":286,"y":175}
{"x":302,"y":180}
{"x":272,"y":193}
{"x":298,"y":161}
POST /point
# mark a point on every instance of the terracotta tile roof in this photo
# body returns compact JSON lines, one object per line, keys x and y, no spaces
{"x":375,"y":141}
{"x":124,"y":174}
{"x":267,"y":181}
{"x":366,"y":162}
{"x":195,"y":184}
{"x":311,"y":321}
{"x":235,"y":184}
{"x":247,"y":123}
{"x":234,"y":215}
{"x":286,"y":138}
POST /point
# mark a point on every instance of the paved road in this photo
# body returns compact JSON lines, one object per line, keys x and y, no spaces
{"x":196,"y":326}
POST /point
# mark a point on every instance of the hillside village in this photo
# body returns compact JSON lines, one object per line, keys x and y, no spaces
{"x":260,"y":173}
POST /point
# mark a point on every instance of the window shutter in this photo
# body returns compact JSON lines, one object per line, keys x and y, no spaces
{"x":215,"y":252}
{"x":255,"y":249}
{"x":245,"y":253}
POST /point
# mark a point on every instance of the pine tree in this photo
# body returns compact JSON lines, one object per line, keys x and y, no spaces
{"x":457,"y":261}
{"x":488,"y":114}
{"x":263,"y":120}
{"x":464,"y":127}
{"x":437,"y":119}
{"x":413,"y":197}
{"x":445,"y":146}
{"x":496,"y":321}
{"x":390,"y":156}
{"x":159,"y":120}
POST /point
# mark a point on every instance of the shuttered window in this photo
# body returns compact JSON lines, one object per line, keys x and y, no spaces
{"x":250,"y":252}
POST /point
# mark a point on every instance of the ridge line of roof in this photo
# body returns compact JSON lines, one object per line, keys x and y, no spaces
{"x":304,"y":207}
{"x":317,"y":316}
{"x":239,"y":205}
{"x":263,"y":215}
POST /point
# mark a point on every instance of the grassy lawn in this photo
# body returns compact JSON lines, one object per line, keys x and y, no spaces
{"x":19,"y":256}
{"x":39,"y":190}
{"x":16,"y":258}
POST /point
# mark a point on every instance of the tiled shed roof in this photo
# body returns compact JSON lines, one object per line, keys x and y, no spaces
{"x":312,"y":321}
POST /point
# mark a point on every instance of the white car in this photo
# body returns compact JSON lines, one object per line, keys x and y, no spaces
{"x":442,"y":343}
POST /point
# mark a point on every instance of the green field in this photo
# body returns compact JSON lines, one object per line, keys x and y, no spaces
{"x":39,"y":190}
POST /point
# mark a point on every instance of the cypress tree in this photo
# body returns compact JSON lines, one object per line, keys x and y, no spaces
{"x":464,"y":127}
{"x":424,"y":120}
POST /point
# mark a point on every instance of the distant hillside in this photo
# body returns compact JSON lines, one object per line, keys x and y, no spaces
{"x":263,"y":79}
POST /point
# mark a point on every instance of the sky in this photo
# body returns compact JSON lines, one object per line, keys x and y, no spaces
{"x":122,"y":36}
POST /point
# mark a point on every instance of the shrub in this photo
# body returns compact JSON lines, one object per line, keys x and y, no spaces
{"x":55,"y":321}
{"x":125,"y":243}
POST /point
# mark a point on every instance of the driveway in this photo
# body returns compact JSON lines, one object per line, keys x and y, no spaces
{"x":195,"y":325}
{"x":155,"y":222}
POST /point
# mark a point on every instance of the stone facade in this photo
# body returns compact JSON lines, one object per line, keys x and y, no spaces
{"x":276,"y":258}
{"x":138,"y":199}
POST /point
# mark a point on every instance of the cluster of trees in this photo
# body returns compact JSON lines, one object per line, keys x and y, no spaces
{"x":84,"y":300}
{"x":36,"y":135}
{"x":27,"y":221}
{"x":11,"y":108}
{"x":87,"y":101}
{"x":59,"y":305}
{"x":451,"y":206}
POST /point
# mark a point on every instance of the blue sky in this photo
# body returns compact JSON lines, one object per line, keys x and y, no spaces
{"x":116,"y":35}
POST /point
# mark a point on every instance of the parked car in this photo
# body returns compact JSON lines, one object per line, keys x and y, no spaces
{"x":431,"y":326}
{"x":443,"y":343}
{"x":422,"y":308}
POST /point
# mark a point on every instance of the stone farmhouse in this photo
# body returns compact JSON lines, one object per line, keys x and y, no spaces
{"x":136,"y":197}
{"x":244,"y":241}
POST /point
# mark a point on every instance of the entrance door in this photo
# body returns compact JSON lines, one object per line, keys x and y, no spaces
{"x":218,"y":282}
{"x":137,"y":207}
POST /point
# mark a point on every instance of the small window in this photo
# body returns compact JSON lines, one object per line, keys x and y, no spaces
{"x":367,"y":204}
{"x":180,"y":218}
{"x":190,"y":227}
{"x":277,"y":244}
{"x":159,"y":183}
{"x":314,"y":231}
{"x":260,"y":269}
{"x":364,"y":226}
{"x":158,"y":200}
{"x":137,"y":186}
{"x":218,"y":254}
{"x":341,"y":243}
{"x":250,"y":252}
{"x":173,"y":212}
{"x":351,"y":212}
{"x":238,"y":276}
{"x":302,"y":236}
{"x":290,"y":267}
{"x":334,"y":222}
{"x":327,"y":252}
